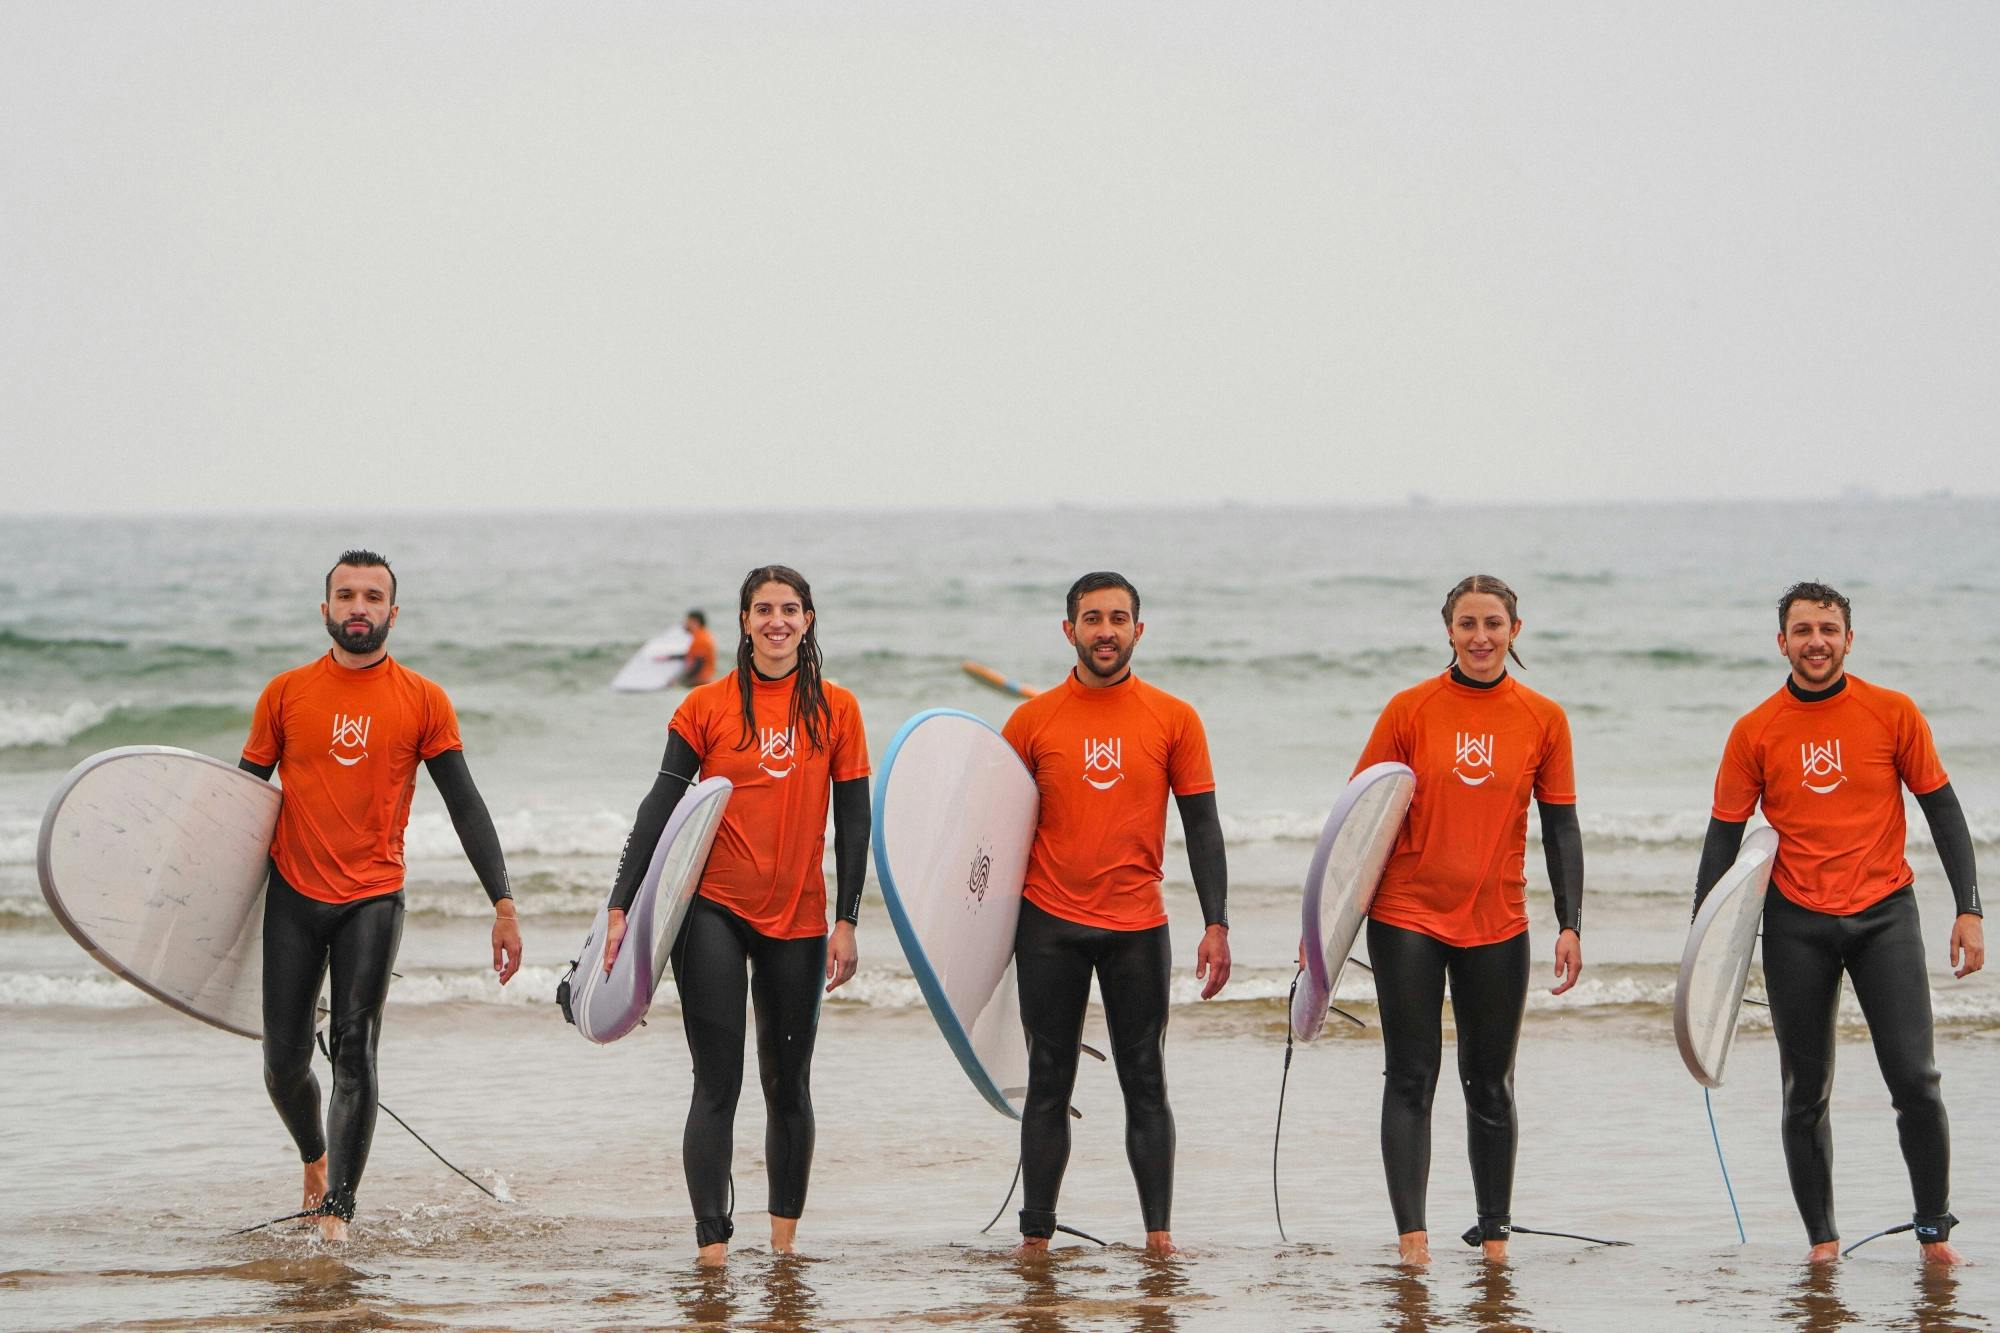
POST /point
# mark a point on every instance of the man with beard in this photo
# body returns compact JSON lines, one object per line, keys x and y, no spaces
{"x":345,"y":735}
{"x":1105,"y":749}
{"x":1827,"y":757}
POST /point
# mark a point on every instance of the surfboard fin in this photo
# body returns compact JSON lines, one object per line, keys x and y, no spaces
{"x":1336,"y":1009}
{"x":1091,"y":1051}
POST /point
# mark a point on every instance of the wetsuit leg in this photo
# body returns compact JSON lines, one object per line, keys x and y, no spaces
{"x":1489,"y":994}
{"x":1134,"y":973}
{"x":1409,"y":987}
{"x":363,"y":950}
{"x":294,"y":964}
{"x":787,"y":978}
{"x":1052,"y":961}
{"x":1802,"y":962}
{"x":710,"y":971}
{"x":1885,"y":958}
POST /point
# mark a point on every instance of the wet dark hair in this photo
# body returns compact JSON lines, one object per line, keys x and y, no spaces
{"x":809,"y":705}
{"x":360,"y":559}
{"x":1098,"y":582}
{"x":1485,"y":583}
{"x":699,"y":617}
{"x":1819,"y":594}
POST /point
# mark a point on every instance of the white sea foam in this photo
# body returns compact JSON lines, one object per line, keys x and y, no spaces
{"x":24,"y":724}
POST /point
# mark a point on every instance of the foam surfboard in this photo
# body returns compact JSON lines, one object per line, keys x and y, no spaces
{"x":954,"y":817}
{"x":1346,"y":866}
{"x":154,"y":859}
{"x":657,"y":664}
{"x":986,"y":675}
{"x":605,"y":1008}
{"x":1715,"y":965}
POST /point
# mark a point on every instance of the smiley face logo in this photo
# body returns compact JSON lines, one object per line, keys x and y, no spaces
{"x":350,"y":739}
{"x":1823,"y":762}
{"x":1104,"y":757}
{"x":1474,"y":763}
{"x":775,"y":745}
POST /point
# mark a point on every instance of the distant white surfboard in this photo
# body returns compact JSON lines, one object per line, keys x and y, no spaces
{"x":1346,"y":867}
{"x":605,"y":1008}
{"x":1715,"y":965}
{"x":954,"y":818}
{"x":154,"y":859}
{"x":657,"y":664}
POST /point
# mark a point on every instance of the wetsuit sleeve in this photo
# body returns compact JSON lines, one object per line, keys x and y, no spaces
{"x":1718,"y":853}
{"x":1562,"y":845}
{"x":851,"y":821}
{"x":469,"y":816}
{"x":1202,"y":824}
{"x":255,"y":769}
{"x":1954,"y":846}
{"x":677,"y":769}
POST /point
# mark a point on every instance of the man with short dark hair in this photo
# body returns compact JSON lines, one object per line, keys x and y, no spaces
{"x":700,"y":660}
{"x":1827,"y":758}
{"x":1105,"y":749}
{"x":345,"y":735}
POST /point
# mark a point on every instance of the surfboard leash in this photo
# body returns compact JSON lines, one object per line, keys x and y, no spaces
{"x":321,"y":1037}
{"x":1278,"y":1130}
{"x":1891,"y":1231}
{"x":1709,"y":1102}
{"x":1011,"y":1186}
{"x":1472,"y":1237}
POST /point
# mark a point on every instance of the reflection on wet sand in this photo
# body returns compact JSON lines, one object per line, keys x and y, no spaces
{"x":1937,"y":1302}
{"x":1814,"y":1302}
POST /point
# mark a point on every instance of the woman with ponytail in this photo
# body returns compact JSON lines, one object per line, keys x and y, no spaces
{"x":1452,"y":903}
{"x":791,"y":743}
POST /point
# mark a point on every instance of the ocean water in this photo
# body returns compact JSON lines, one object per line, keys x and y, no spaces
{"x":132,"y":1140}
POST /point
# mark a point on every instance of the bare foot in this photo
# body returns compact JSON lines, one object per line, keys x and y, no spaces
{"x":1493,"y":1251}
{"x":1032,"y":1247}
{"x":712,"y":1256}
{"x":1414,"y":1248}
{"x":315,"y":1187}
{"x":1941,"y":1253}
{"x":1159,"y":1245}
{"x":332,"y":1230}
{"x":1825,"y":1252}
{"x":784,"y":1235}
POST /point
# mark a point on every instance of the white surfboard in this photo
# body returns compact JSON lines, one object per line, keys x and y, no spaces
{"x":1715,"y":965}
{"x":954,"y":818}
{"x":657,"y":664}
{"x":1340,"y":882}
{"x":605,"y":1008}
{"x":155,"y":859}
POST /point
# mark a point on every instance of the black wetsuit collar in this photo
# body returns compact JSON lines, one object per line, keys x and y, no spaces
{"x":370,"y":667}
{"x":1461,"y":678}
{"x":773,"y":680}
{"x":1815,"y":696}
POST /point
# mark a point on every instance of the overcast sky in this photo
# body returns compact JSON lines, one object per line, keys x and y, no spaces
{"x":499,"y":255}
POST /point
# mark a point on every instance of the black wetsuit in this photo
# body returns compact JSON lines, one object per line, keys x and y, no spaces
{"x":1489,"y":993}
{"x":304,"y":938}
{"x":1054,"y":960}
{"x":1881,"y":948}
{"x":785,"y":981}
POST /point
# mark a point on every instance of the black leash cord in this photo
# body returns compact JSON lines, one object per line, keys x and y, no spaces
{"x":1892,"y":1231}
{"x":1012,"y":1185}
{"x":1471,"y":1236}
{"x":1278,"y":1130}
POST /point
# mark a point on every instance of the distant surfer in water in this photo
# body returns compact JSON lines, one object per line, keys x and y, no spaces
{"x":1452,"y":904}
{"x":1106,"y":749}
{"x":345,"y":735}
{"x":700,"y":661}
{"x":1827,"y":758}
{"x":790,"y":742}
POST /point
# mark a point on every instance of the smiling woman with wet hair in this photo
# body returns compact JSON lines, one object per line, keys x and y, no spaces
{"x":790,"y":743}
{"x":1452,"y":904}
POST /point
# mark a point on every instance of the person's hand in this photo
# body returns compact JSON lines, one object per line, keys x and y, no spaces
{"x":841,"y":956}
{"x":1569,"y":961}
{"x":1211,"y":960}
{"x":1968,"y":945}
{"x":614,"y":935}
{"x":506,"y":940}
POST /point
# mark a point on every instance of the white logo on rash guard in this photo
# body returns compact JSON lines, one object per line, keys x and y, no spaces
{"x":1474,"y":753}
{"x":1822,"y":762}
{"x":1104,"y":757}
{"x":776,"y":746}
{"x":350,"y":733}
